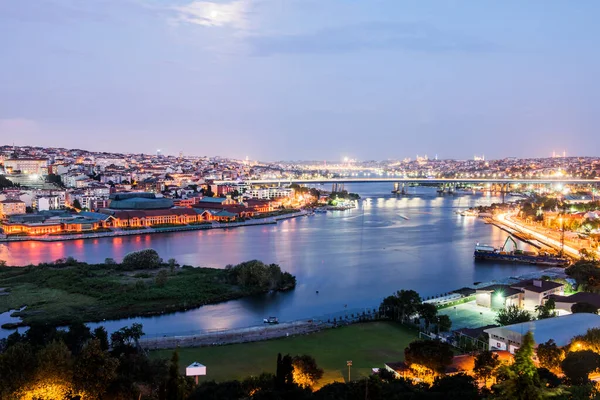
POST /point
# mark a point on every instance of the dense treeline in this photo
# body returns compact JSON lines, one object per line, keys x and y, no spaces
{"x":143,"y":284}
{"x":50,"y":364}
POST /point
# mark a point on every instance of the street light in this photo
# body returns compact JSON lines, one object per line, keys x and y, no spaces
{"x":349,"y":364}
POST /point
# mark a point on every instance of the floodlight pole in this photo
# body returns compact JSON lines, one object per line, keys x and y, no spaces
{"x":349,"y":364}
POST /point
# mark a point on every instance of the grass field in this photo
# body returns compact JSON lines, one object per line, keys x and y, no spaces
{"x":368,"y":345}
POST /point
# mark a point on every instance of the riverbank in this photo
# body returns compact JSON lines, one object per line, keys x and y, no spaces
{"x":148,"y":231}
{"x":70,"y":292}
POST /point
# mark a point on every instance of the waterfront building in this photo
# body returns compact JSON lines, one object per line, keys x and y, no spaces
{"x":526,"y":294}
{"x":52,"y":222}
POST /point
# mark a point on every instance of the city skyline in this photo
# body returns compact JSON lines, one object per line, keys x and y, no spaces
{"x":302,"y":79}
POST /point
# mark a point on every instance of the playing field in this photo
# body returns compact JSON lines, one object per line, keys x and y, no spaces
{"x":368,"y":345}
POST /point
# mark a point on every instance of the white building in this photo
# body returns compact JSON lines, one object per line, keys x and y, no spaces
{"x":33,"y":166}
{"x":560,"y":329}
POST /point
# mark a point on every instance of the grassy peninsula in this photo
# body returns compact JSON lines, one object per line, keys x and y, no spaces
{"x":68,"y":291}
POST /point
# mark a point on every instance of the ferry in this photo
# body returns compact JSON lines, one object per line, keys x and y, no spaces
{"x":491,"y":253}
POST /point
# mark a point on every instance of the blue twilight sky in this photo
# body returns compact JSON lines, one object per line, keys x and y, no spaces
{"x":303,"y":79}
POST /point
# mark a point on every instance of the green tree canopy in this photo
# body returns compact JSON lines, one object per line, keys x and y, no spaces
{"x":142,"y":259}
{"x":512,"y":315}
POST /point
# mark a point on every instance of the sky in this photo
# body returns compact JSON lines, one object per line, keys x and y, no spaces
{"x":302,"y":79}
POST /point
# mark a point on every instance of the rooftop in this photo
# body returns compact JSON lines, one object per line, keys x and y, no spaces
{"x":561,"y":329}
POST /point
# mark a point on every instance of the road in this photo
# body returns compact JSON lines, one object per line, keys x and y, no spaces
{"x":570,"y":248}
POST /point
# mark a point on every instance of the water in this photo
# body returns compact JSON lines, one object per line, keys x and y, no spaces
{"x":352,"y":258}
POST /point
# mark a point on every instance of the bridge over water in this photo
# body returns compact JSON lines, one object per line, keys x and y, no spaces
{"x":440,"y":181}
{"x":446,"y":185}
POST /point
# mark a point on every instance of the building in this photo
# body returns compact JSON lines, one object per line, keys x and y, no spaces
{"x":560,"y":329}
{"x":564,"y":303}
{"x":526,"y":294}
{"x":11,"y":207}
{"x":53,"y":223}
{"x":33,"y":166}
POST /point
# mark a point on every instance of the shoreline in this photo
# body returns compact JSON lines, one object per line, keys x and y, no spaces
{"x":148,"y":231}
{"x":302,"y":326}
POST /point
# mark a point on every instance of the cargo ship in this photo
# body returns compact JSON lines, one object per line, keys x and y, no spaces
{"x":491,"y":253}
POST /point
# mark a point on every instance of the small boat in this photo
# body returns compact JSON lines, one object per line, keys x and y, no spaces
{"x":271,"y":320}
{"x":404,"y":217}
{"x":320,"y":210}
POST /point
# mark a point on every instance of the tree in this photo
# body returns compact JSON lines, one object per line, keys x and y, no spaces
{"x":101,"y":335}
{"x":76,"y":336}
{"x":583,"y":307}
{"x":512,"y":315}
{"x":550,"y":355}
{"x":433,"y":354}
{"x":172,"y":264}
{"x":586,"y":274}
{"x":94,"y":370}
{"x":589,"y":341}
{"x":428,"y":312}
{"x":577,"y":366}
{"x":110,"y":261}
{"x":285,"y":372}
{"x":76,"y":204}
{"x":547,"y":310}
{"x":401,"y":305}
{"x":456,"y":387}
{"x":16,"y":368}
{"x":521,"y":381}
{"x":125,"y":338}
{"x":161,"y":278}
{"x":444,"y":323}
{"x":306,"y":372}
{"x":143,"y":259}
{"x":54,"y":371}
{"x":486,"y":363}
{"x":173,"y":388}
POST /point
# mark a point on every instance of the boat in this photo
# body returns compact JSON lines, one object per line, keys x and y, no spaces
{"x":469,"y":213}
{"x":271,"y":320}
{"x":320,"y":210}
{"x":491,"y":253}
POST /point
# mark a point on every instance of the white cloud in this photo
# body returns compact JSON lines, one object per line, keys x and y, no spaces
{"x":209,"y":13}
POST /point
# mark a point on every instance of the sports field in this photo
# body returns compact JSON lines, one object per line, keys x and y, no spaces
{"x":368,"y":345}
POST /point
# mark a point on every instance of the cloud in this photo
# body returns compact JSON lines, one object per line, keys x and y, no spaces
{"x":212,"y":13}
{"x":370,"y":36}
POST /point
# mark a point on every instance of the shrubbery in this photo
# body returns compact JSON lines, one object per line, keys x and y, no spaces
{"x":143,"y":259}
{"x":260,"y":275}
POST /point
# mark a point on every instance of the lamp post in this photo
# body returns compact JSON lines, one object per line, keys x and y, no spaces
{"x":349,"y":364}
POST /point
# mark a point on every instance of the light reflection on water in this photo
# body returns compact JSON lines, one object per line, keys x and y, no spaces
{"x":353,"y":258}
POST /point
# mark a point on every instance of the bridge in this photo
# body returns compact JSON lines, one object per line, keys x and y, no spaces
{"x":446,"y":185}
{"x":433,"y":181}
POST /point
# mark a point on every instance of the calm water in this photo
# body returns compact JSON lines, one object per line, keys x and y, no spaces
{"x":352,"y":258}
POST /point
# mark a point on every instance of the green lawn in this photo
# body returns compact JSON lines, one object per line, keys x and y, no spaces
{"x":368,"y":345}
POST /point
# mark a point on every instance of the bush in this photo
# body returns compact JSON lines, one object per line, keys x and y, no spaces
{"x":257,"y":274}
{"x":161,"y":278}
{"x":143,"y":259}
